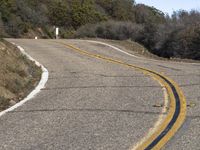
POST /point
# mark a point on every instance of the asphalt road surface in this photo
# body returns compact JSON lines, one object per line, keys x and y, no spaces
{"x":93,"y":104}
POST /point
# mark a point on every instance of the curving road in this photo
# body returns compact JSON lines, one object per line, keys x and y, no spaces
{"x":93,"y":104}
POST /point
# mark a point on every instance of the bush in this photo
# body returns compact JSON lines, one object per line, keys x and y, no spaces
{"x":183,"y":43}
{"x":84,"y":12}
{"x":110,"y":30}
{"x":87,"y":30}
{"x":147,"y":36}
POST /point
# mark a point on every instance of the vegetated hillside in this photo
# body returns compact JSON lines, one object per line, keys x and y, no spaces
{"x":18,"y":75}
{"x":174,"y":36}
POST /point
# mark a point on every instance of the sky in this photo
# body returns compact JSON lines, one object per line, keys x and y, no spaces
{"x":168,"y":6}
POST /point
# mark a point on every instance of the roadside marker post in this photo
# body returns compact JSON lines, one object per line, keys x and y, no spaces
{"x":57,"y":33}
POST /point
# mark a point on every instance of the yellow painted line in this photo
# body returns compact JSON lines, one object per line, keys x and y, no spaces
{"x":172,"y":106}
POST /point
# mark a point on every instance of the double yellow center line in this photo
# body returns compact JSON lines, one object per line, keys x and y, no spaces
{"x":177,"y":107}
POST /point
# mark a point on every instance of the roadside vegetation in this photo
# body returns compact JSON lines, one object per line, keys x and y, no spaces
{"x":175,"y":36}
{"x":18,"y":75}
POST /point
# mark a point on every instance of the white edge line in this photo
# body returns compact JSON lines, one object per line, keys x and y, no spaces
{"x":98,"y":42}
{"x":41,"y":84}
{"x":113,"y":48}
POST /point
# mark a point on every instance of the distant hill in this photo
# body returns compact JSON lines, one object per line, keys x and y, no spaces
{"x":175,"y":36}
{"x":20,"y":18}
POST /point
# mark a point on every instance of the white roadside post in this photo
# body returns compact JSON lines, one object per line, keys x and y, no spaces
{"x":57,"y":33}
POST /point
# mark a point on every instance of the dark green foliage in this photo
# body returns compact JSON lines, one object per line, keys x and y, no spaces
{"x":117,"y":30}
{"x":175,"y":36}
{"x":179,"y":36}
{"x":21,"y":15}
{"x":59,"y":14}
{"x":84,"y":12}
{"x":145,"y":15}
{"x":6,"y":9}
{"x":118,"y":9}
{"x":32,"y":12}
{"x":183,"y":43}
{"x":147,"y":36}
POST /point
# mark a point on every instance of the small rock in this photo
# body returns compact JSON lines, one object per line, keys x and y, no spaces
{"x":12,"y":102}
{"x":158,"y":105}
{"x":191,"y":105}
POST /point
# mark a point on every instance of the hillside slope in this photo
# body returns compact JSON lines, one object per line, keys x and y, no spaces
{"x":18,"y":75}
{"x":175,"y":36}
{"x":20,"y":18}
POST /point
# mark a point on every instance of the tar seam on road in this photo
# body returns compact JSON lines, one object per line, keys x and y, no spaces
{"x":88,"y":110}
{"x":177,"y":109}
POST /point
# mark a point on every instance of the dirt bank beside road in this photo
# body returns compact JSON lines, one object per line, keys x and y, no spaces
{"x":18,"y":75}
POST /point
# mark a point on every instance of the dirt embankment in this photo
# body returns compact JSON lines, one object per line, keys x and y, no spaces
{"x":18,"y":75}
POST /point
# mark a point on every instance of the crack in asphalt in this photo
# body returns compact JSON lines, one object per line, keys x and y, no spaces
{"x":104,"y":76}
{"x":185,"y":85}
{"x":91,"y":87}
{"x":88,"y":110}
{"x":184,"y":75}
{"x":175,"y":69}
{"x":193,"y":117}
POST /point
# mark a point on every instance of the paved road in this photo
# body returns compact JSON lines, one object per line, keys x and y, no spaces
{"x":91,"y":104}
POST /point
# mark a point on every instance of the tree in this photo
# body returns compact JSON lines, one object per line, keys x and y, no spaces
{"x":146,"y":15}
{"x":59,"y":14}
{"x":6,"y":9}
{"x":147,"y":36}
{"x":183,"y":43}
{"x":118,"y":9}
{"x":84,"y":12}
{"x":124,"y":10}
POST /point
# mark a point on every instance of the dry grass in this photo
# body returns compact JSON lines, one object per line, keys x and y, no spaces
{"x":18,"y":75}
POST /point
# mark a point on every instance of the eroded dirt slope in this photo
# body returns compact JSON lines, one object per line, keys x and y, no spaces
{"x":18,"y":75}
